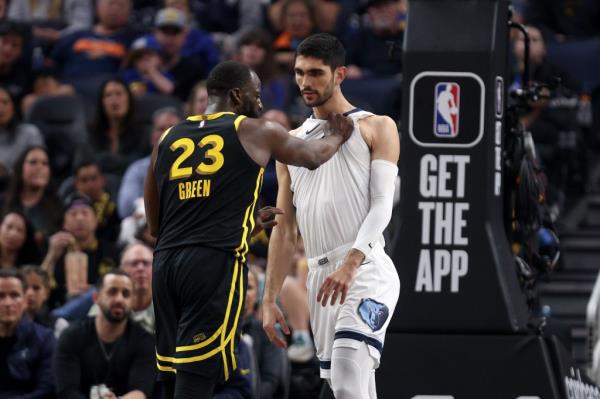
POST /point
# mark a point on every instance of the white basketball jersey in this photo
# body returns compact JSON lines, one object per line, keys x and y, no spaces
{"x":333,"y":200}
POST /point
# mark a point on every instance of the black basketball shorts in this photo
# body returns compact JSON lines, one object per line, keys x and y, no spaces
{"x":199,"y":296}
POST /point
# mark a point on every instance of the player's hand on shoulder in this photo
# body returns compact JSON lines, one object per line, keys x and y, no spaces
{"x":339,"y":125}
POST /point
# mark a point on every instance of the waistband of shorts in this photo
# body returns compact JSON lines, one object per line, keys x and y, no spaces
{"x":330,"y":257}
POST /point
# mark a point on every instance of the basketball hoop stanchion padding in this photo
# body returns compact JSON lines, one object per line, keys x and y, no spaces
{"x":460,"y":327}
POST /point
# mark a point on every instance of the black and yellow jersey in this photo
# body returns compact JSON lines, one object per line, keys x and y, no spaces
{"x":207,"y":185}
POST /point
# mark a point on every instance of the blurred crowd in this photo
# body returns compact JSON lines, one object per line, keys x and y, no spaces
{"x":86,"y":89}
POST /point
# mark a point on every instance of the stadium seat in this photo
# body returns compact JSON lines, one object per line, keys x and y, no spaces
{"x":378,"y":95}
{"x":62,"y":122}
{"x":147,"y":104}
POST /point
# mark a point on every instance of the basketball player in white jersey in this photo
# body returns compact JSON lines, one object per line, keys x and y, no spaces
{"x":341,"y":210}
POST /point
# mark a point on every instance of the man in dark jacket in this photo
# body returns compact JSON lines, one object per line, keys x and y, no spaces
{"x":109,"y":355}
{"x":26,"y":348}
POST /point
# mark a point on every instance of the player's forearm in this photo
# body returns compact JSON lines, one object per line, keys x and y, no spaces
{"x":281,"y":252}
{"x":324,"y":149}
{"x":49,"y":262}
{"x":382,"y":185}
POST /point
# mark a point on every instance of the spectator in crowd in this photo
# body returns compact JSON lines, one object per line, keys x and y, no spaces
{"x":198,"y":100}
{"x":187,"y":54}
{"x":227,"y":17}
{"x":98,"y":51}
{"x":561,"y":21}
{"x":36,"y":295}
{"x":45,"y":83}
{"x":144,"y":72}
{"x":15,"y":71}
{"x":298,"y":21}
{"x":570,"y":30}
{"x":33,"y":193}
{"x":114,"y":135}
{"x":14,"y":136}
{"x":55,"y":18}
{"x":136,"y":261}
{"x":135,"y":228}
{"x":26,"y":348}
{"x":327,"y":13}
{"x":185,"y":7}
{"x":553,"y":121}
{"x":273,"y":366}
{"x":90,"y":181}
{"x":255,"y":49}
{"x":108,"y":352}
{"x":17,"y":244}
{"x":132,"y":185}
{"x":76,"y":257}
{"x":368,"y":47}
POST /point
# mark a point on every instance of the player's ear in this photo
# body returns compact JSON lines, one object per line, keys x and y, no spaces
{"x":340,"y":74}
{"x":235,"y":96}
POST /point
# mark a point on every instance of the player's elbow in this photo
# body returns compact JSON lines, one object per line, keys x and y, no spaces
{"x":318,"y":158}
{"x":310,"y":160}
{"x":152,"y":229}
{"x":313,"y":164}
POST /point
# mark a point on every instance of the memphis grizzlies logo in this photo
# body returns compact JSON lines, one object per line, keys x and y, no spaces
{"x":373,"y":313}
{"x":447,"y":106}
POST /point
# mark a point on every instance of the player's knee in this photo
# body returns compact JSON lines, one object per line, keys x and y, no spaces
{"x":345,"y":379}
{"x":351,"y":368}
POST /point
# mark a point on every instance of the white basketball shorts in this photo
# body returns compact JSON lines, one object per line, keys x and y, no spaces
{"x":365,"y":314}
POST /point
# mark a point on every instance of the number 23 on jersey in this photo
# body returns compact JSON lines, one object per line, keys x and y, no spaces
{"x":213,"y":153}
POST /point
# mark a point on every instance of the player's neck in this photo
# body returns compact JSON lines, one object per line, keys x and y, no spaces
{"x":216,"y":105}
{"x":337,"y":103}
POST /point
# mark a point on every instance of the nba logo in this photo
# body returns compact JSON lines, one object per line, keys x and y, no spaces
{"x":447,"y":105}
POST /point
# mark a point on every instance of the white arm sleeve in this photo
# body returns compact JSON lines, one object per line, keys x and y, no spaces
{"x":381,"y":188}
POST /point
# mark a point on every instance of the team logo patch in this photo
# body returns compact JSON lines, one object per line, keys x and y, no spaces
{"x":373,"y":313}
{"x":199,"y":338}
{"x":447,"y":107}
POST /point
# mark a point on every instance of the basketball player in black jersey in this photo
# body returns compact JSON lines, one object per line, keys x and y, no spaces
{"x":200,"y":193}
